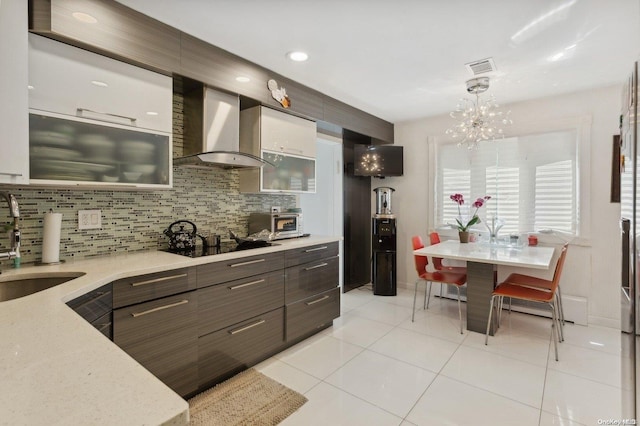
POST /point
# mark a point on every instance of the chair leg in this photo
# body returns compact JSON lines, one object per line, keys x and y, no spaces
{"x":486,"y":337}
{"x":557,"y":305}
{"x":415,"y":293}
{"x":459,"y":309}
{"x":559,"y":296}
{"x":427,"y":295}
{"x":554,"y":328}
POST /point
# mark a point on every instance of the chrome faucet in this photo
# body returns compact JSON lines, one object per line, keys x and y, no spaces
{"x":15,"y":234}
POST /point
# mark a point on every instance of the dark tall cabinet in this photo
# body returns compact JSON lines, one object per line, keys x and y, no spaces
{"x":357,"y":216}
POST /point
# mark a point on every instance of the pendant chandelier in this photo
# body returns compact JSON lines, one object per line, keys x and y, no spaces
{"x":479,"y":119}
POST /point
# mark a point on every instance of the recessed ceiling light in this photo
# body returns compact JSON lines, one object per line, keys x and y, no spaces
{"x":84,"y":17}
{"x":152,"y":113}
{"x":30,"y":87}
{"x":298,"y":56}
{"x":99,"y":83}
{"x":556,"y":57}
{"x":242,"y":79}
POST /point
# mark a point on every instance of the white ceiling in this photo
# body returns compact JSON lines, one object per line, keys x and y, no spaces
{"x":404,"y":59}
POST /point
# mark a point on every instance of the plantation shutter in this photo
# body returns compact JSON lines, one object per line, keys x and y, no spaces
{"x":531,"y":180}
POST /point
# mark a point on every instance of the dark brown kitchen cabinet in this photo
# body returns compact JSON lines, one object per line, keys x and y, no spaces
{"x":96,"y":308}
{"x":313,"y":313}
{"x":227,"y":270}
{"x":156,"y":323}
{"x":312,"y":294}
{"x":119,"y":32}
{"x":225,"y":304}
{"x":142,"y":288}
{"x":311,"y":278}
{"x":162,"y":335}
{"x":307,"y":254}
{"x":235,"y":348}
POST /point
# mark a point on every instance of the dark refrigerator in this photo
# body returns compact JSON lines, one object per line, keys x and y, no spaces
{"x":630,"y":229}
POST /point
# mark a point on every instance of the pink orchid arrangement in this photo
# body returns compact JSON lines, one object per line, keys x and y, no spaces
{"x":459,"y":200}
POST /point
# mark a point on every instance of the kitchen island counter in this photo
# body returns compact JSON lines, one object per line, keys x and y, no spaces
{"x":57,"y":369}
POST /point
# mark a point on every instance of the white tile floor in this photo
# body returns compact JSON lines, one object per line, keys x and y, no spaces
{"x":376,"y":367}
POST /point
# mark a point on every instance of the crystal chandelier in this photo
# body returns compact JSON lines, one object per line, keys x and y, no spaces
{"x":478,"y":120}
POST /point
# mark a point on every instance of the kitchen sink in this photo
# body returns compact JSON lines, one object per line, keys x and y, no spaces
{"x":20,"y":287}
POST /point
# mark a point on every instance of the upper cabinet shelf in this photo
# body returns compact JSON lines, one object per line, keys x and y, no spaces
{"x":94,"y":120}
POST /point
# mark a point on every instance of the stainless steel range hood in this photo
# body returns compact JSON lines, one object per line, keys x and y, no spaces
{"x":212,"y":131}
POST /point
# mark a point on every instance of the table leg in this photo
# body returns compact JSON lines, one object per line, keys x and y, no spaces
{"x":480,"y":279}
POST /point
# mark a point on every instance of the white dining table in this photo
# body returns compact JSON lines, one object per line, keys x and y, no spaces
{"x":482,"y":261}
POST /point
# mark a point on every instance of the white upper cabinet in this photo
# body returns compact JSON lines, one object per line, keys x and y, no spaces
{"x":287,"y":143}
{"x":96,"y":121}
{"x":72,"y":81}
{"x":277,"y":131}
{"x":14,"y":137}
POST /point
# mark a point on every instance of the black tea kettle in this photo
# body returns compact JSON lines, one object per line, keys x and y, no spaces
{"x":181,"y":239}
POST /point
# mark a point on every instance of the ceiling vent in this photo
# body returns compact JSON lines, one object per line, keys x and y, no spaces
{"x":481,"y":67}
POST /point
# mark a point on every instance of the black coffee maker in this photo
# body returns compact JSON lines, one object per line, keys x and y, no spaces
{"x":383,"y":244}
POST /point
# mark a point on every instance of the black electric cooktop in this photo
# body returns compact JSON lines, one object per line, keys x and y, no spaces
{"x":224,"y":247}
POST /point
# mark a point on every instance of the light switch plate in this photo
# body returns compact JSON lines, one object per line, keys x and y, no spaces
{"x":89,"y":219}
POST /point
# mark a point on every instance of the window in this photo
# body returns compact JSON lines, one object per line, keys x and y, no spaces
{"x":532,"y":181}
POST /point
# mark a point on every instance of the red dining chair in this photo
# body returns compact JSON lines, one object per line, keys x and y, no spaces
{"x":540,"y":295}
{"x":540,"y":283}
{"x":442,"y":277}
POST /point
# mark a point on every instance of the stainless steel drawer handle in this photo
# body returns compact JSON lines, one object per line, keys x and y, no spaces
{"x":10,"y":174}
{"x":247,"y":327}
{"x":159,"y":308}
{"x":313,"y":302}
{"x":321,"y":265}
{"x":81,"y":111}
{"x":251,"y":262}
{"x":316,"y":249}
{"x":158,"y":280}
{"x":246,"y":284}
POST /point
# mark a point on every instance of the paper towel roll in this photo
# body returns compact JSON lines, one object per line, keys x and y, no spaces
{"x":51,"y":238}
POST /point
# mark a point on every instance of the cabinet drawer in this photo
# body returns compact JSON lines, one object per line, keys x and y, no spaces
{"x":162,"y":336}
{"x":235,"y":348}
{"x":225,"y":304}
{"x":233,"y":269}
{"x":310,"y":314}
{"x":311,"y":278}
{"x":142,"y":288}
{"x":302,"y":255}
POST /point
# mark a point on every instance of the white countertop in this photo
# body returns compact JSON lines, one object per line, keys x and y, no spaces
{"x":55,"y":368}
{"x":525,"y":256}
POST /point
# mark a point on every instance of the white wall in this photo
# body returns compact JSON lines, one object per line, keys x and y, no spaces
{"x":592,"y":269}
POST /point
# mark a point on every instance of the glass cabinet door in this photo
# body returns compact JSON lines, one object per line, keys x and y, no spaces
{"x":290,"y":174}
{"x":62,"y":150}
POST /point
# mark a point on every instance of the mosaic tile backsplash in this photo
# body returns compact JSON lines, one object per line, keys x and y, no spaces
{"x":134,"y":220}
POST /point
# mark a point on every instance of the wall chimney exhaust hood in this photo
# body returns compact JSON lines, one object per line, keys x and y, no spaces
{"x":212,"y":131}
